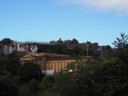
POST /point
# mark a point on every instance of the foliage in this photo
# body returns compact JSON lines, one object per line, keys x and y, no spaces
{"x":30,"y":71}
{"x":122,"y":41}
{"x":10,"y":66}
{"x":106,"y":78}
{"x":8,"y":89}
{"x":13,"y":67}
{"x":111,"y":77}
{"x":48,"y":81}
{"x":3,"y":63}
{"x":79,"y":81}
{"x":25,"y":90}
{"x":33,"y":86}
{"x":6,"y":41}
{"x":63,"y":49}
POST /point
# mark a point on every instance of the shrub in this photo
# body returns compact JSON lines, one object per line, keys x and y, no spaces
{"x":48,"y":81}
{"x":34,"y":86}
{"x":8,"y":89}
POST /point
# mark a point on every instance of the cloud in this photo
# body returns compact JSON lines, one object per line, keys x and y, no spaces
{"x":120,"y":6}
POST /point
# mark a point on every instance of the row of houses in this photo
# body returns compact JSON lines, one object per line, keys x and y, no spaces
{"x":6,"y":49}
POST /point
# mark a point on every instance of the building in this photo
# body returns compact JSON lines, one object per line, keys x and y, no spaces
{"x":6,"y":49}
{"x":49,"y":61}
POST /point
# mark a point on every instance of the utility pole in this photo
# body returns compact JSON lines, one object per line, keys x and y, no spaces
{"x":87,"y":48}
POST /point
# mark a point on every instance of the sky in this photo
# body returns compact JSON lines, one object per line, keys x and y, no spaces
{"x":45,"y":20}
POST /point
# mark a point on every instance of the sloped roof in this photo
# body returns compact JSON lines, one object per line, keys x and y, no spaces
{"x":44,"y":54}
{"x":28,"y":55}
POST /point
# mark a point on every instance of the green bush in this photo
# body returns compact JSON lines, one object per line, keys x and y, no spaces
{"x":8,"y":89}
{"x":30,"y":71}
{"x":48,"y":81}
{"x":34,"y":86}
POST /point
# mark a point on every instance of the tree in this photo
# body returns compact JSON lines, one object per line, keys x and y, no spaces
{"x":105,"y":78}
{"x":13,"y":67}
{"x":6,"y":41}
{"x":33,"y":86}
{"x":111,"y":78}
{"x":30,"y":71}
{"x":74,"y":41}
{"x":79,"y":81}
{"x":48,"y":81}
{"x":121,"y":48}
{"x":8,"y":89}
{"x":3,"y":63}
{"x":108,"y":78}
{"x":122,"y":41}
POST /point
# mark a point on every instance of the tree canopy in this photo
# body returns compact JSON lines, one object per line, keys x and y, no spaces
{"x":105,"y":78}
{"x":30,"y":71}
{"x":122,"y":41}
{"x":6,"y":41}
